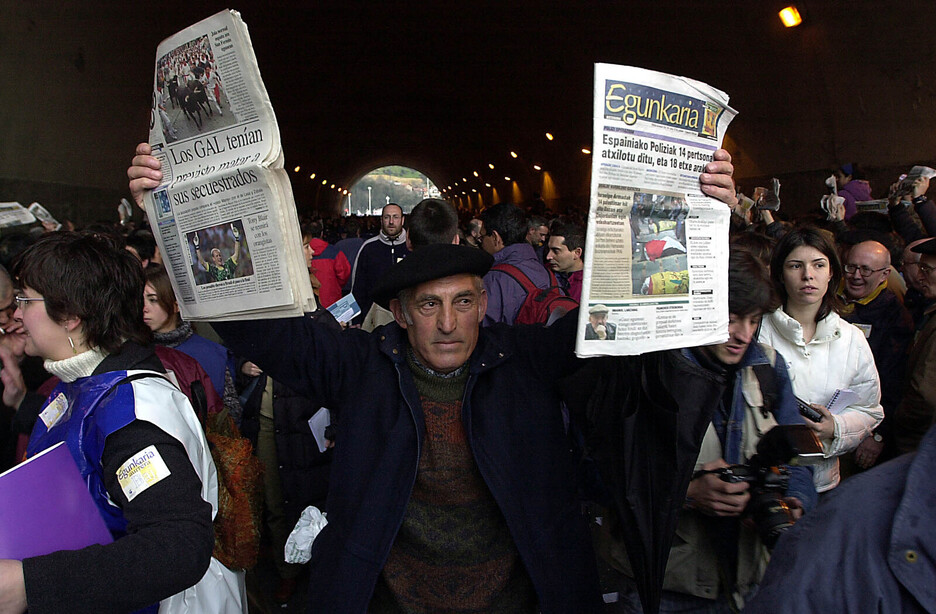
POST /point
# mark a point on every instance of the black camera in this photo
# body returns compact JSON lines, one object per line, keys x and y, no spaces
{"x":782,"y":445}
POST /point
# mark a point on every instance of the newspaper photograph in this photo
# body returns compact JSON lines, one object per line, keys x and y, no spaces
{"x":224,"y":215}
{"x":656,"y":253}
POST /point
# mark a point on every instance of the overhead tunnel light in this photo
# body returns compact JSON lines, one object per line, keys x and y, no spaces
{"x":790,"y":17}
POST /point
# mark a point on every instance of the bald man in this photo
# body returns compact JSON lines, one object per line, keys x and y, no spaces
{"x":888,"y":327}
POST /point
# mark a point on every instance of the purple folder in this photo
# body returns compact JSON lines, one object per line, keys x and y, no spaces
{"x":45,"y":506}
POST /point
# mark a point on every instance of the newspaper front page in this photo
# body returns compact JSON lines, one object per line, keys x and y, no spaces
{"x":224,"y":216}
{"x":656,"y":255}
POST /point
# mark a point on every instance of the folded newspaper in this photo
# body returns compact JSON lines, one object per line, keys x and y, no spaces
{"x":224,"y":216}
{"x":15,"y":214}
{"x":656,"y":255}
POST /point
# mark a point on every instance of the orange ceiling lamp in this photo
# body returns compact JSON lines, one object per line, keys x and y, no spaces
{"x":790,"y":17}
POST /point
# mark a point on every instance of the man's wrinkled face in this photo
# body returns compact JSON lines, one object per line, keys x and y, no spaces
{"x":911,"y":268}
{"x":560,"y":258}
{"x":442,"y":318}
{"x":741,"y":331}
{"x":391,"y":222}
{"x":865,"y":268}
{"x":536,"y":235}
{"x":927,"y":275}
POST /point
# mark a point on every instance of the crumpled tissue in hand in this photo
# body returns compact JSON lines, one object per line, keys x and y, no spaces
{"x":299,"y":543}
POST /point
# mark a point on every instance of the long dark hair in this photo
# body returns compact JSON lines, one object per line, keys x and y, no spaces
{"x":87,"y":276}
{"x":157,"y":277}
{"x":810,"y":237}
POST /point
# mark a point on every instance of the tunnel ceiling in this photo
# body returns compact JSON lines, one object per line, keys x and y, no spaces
{"x":448,"y":87}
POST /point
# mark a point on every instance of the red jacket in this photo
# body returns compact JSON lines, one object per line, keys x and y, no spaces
{"x":331,"y":268}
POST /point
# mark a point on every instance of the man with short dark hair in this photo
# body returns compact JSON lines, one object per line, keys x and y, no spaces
{"x":503,"y":235}
{"x":565,"y":249}
{"x":377,"y":255}
{"x":142,"y":245}
{"x":875,"y":309}
{"x":537,"y":232}
{"x":473,"y":234}
{"x":718,"y":559}
{"x":431,"y":221}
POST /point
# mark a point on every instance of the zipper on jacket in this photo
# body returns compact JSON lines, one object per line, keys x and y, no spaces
{"x":415,"y":469}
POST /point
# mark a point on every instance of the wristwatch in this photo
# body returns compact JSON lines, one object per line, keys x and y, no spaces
{"x":877,"y":437}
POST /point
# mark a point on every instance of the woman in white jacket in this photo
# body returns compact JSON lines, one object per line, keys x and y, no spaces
{"x":824,"y":352}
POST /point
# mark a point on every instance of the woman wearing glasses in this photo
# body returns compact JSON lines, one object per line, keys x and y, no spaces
{"x":825,"y":354}
{"x":132,"y":434}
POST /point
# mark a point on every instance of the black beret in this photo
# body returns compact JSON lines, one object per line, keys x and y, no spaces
{"x":926,"y":247}
{"x":430,"y":262}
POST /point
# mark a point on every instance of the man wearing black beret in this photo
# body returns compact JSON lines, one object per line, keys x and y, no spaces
{"x":453,"y":487}
{"x":452,"y":481}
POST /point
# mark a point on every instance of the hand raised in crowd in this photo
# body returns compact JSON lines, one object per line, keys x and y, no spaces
{"x":14,"y":387}
{"x":894,"y":195}
{"x":713,"y":496}
{"x":868,"y":451}
{"x":920,"y":187}
{"x":144,"y":172}
{"x":825,"y":428}
{"x":250,"y":369}
{"x":717,"y":181}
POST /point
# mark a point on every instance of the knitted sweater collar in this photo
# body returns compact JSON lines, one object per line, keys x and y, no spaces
{"x":81,"y":365}
{"x":174,"y":337}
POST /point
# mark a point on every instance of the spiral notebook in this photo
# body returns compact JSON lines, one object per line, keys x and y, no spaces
{"x":841,"y":399}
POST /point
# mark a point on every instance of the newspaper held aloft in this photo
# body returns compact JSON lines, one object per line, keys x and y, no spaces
{"x":224,"y":216}
{"x":656,"y":255}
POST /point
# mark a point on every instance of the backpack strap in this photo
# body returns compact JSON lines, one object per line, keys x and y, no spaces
{"x":767,"y":379}
{"x":521,"y":278}
{"x":517,"y":275}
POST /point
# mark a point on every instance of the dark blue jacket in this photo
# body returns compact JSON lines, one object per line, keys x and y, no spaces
{"x":870,"y":547}
{"x":514,"y":426}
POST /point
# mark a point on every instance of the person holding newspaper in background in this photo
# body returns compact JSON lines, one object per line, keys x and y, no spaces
{"x":392,"y":390}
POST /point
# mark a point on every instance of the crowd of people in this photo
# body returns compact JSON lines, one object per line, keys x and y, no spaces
{"x":473,"y":462}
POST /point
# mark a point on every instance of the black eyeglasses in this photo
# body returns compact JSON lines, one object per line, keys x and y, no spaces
{"x":864,"y":271}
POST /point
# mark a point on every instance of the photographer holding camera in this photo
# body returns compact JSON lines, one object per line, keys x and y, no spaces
{"x":732,"y":508}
